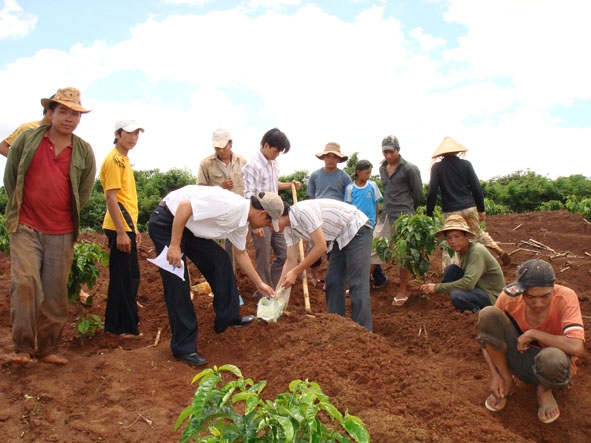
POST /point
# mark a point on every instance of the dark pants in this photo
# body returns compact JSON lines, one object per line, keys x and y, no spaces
{"x":463,"y":299}
{"x":214,"y":263}
{"x":121,"y":315}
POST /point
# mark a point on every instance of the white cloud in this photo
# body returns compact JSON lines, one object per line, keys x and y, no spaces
{"x":14,"y":22}
{"x":321,"y":79}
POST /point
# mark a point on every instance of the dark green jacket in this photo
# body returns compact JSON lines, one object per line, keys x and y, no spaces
{"x":82,"y":174}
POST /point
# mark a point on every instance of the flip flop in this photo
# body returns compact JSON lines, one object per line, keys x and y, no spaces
{"x":545,"y":409}
{"x":491,"y":405}
{"x":399,"y":301}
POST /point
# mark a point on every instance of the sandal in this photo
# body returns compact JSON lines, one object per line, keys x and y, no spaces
{"x":545,"y":409}
{"x":492,"y":403}
{"x":399,"y":301}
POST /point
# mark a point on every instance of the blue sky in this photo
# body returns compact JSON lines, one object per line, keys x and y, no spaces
{"x":508,"y":79}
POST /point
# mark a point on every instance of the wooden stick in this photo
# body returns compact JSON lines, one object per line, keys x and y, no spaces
{"x":517,"y":227}
{"x":301,"y":247}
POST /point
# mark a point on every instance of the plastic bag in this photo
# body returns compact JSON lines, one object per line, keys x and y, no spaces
{"x":270,"y":309}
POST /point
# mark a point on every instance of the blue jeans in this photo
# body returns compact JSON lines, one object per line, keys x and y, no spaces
{"x":350,"y":264}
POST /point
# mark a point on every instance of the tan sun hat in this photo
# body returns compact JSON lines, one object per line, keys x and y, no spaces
{"x":333,"y":148}
{"x":448,"y":146}
{"x":453,"y":223}
{"x":69,"y":97}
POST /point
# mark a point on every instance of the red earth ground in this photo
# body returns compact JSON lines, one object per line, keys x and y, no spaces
{"x":419,"y":377}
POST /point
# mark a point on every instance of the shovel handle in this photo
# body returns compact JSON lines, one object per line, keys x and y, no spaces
{"x":294,"y":195}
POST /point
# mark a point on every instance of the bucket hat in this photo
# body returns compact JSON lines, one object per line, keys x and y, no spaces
{"x":453,"y":223}
{"x":69,"y":97}
{"x":333,"y":148}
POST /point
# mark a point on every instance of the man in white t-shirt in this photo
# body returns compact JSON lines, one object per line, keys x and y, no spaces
{"x":348,"y":232}
{"x":188,"y":221}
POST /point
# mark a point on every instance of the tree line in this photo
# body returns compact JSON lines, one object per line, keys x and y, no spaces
{"x":521,"y":191}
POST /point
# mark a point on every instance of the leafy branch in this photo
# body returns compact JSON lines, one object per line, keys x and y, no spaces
{"x":295,"y":416}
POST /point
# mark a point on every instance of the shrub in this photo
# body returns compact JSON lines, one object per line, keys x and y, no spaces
{"x":552,"y":205}
{"x":579,"y":206}
{"x":4,"y":237}
{"x":492,"y":208}
{"x":84,"y":271}
{"x":295,"y":416}
{"x":411,"y":244}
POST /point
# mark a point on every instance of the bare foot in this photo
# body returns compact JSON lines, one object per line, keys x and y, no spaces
{"x":55,"y":359}
{"x":22,"y":358}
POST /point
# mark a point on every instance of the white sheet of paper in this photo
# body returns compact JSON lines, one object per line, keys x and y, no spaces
{"x":162,"y":263}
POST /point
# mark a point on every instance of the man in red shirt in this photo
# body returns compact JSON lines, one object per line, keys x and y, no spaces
{"x":535,"y":332}
{"x":48,"y":177}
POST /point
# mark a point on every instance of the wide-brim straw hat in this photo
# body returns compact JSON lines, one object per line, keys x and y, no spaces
{"x":448,"y":146}
{"x":69,"y":97}
{"x":333,"y":148}
{"x":453,"y":223}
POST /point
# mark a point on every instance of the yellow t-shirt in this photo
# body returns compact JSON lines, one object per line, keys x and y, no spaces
{"x":12,"y":137}
{"x":116,"y":173}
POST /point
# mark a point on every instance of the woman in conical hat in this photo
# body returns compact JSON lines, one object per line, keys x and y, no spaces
{"x":461,"y":192}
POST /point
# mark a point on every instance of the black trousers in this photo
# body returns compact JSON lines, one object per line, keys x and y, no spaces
{"x":121,"y":316}
{"x":215,"y":265}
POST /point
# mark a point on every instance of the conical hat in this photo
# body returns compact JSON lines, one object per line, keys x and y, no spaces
{"x":448,"y":146}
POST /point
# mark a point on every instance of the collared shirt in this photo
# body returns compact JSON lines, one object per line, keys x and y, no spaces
{"x":81,"y":173}
{"x":116,"y":174}
{"x":260,"y":175}
{"x":403,"y":190}
{"x":217,"y":213}
{"x":213,"y":172}
{"x":339,"y":221}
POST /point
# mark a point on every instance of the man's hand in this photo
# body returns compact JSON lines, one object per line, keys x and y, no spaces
{"x":174,"y":256}
{"x":288,"y":279}
{"x":524,"y":340}
{"x":258,"y":232}
{"x":123,"y":242}
{"x":265,"y":289}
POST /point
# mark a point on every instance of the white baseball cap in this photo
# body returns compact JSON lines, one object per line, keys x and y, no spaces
{"x":128,"y":125}
{"x":220,"y":138}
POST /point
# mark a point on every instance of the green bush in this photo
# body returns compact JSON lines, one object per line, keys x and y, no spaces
{"x":4,"y":237}
{"x":579,"y":206}
{"x":552,"y":205}
{"x":491,"y":208}
{"x":84,"y":271}
{"x":411,"y":244}
{"x":299,"y":415}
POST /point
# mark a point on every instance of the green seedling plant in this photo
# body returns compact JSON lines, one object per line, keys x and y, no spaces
{"x":412,"y":243}
{"x":235,"y":412}
{"x":84,"y":272}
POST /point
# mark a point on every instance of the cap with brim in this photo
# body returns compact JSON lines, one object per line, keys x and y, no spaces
{"x":531,"y":274}
{"x":128,"y":125}
{"x":273,"y":204}
{"x":448,"y":146}
{"x":333,"y":148}
{"x":453,"y":223}
{"x":390,"y":143}
{"x":220,"y":138}
{"x":69,"y":97}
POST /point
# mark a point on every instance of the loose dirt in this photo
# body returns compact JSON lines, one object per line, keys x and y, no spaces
{"x":419,"y":377}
